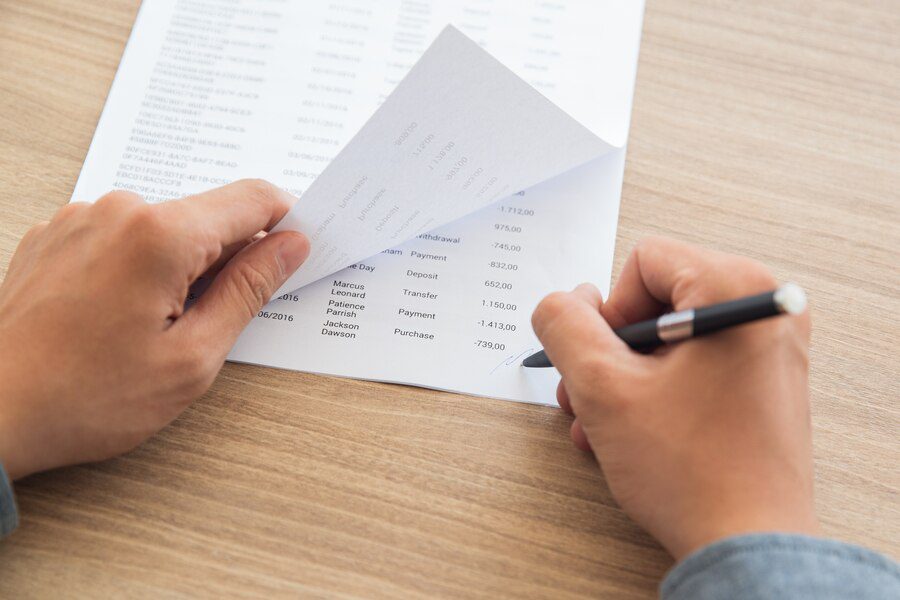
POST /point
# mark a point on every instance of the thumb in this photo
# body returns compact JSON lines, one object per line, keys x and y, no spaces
{"x":244,"y":285}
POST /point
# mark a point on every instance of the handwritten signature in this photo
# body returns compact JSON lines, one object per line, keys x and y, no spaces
{"x":513,"y":359}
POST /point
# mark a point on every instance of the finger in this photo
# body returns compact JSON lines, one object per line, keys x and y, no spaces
{"x":563,"y":397}
{"x":573,"y":332}
{"x":231,"y":213}
{"x":228,"y":252}
{"x":589,"y":293}
{"x":199,"y":285}
{"x":629,"y":300}
{"x":579,"y":438}
{"x":116,"y":200}
{"x":242,"y":288}
{"x":662,"y":272}
{"x":649,"y":279}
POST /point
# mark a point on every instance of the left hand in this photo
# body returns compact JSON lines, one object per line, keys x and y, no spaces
{"x":96,"y":350}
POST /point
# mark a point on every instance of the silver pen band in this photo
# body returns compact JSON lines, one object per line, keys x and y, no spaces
{"x":676,"y":326}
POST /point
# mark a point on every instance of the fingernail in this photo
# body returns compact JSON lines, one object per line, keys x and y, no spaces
{"x":287,"y":196}
{"x":292,"y":251}
{"x":588,"y":287}
{"x":278,"y":192}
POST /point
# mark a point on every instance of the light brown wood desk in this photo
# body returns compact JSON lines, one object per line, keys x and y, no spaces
{"x":767,"y":128}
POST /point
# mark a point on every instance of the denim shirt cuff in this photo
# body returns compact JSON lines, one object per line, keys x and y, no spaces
{"x":782,"y":565}
{"x":9,"y":515}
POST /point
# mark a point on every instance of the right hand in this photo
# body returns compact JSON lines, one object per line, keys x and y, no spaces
{"x":701,"y":440}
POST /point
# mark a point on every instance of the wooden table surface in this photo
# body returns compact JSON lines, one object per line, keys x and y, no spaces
{"x":765,"y":128}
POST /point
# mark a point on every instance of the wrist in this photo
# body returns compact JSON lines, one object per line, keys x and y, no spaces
{"x":798,"y":519}
{"x":10,"y":455}
{"x":9,"y":458}
{"x":12,"y":446}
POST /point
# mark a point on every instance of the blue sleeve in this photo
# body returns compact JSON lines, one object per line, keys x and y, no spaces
{"x":9,"y":516}
{"x":753,"y":567}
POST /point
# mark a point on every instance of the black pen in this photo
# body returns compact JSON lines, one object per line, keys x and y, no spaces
{"x":693,"y":322}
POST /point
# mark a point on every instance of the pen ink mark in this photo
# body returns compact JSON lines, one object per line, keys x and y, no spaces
{"x":513,"y":359}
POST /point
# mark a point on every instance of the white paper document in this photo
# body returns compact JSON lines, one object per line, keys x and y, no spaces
{"x":439,"y":219}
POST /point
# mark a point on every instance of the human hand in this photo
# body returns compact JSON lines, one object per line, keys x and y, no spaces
{"x":701,"y":440}
{"x":96,"y":350}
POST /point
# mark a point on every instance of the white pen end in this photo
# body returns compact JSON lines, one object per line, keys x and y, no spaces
{"x":791,"y":299}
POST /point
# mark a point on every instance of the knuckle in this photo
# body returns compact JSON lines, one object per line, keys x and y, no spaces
{"x":692,"y":282}
{"x":70,"y":210}
{"x":727,"y":278}
{"x":118,"y":199}
{"x":256,"y":283}
{"x":754,"y":275}
{"x":262,"y":191}
{"x":209,"y":250}
{"x":146,"y":223}
{"x":202,"y":245}
{"x":34,"y":231}
{"x":657,"y":244}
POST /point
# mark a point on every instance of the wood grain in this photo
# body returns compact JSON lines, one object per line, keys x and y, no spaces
{"x":766,"y":128}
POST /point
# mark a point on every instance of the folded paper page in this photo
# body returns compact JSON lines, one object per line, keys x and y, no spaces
{"x":460,"y":132}
{"x":309,"y":96}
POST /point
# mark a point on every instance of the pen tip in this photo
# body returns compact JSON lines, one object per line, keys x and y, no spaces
{"x":537,"y":360}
